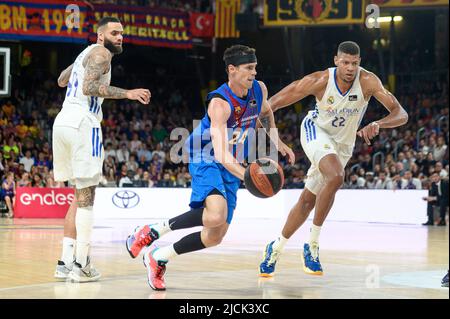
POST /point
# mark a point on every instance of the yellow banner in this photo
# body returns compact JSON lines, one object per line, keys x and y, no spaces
{"x":409,"y":3}
{"x":313,"y":12}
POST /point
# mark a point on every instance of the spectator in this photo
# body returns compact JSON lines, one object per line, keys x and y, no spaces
{"x":438,"y":169}
{"x":123,"y":155}
{"x":27,"y":161}
{"x":440,"y":150}
{"x":11,"y":147}
{"x":409,"y":182}
{"x":144,"y":152}
{"x":42,"y":162}
{"x":132,"y":164}
{"x":384,"y":182}
{"x":37,"y":180}
{"x":110,"y":178}
{"x":127,"y":180}
{"x":166,"y":181}
{"x":370,"y":180}
{"x":24,"y":180}
{"x":109,"y":151}
{"x":437,"y":196}
{"x":354,"y":182}
{"x":135,"y":143}
{"x":9,"y":193}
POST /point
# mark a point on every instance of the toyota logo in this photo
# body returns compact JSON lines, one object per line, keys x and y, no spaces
{"x":125,"y":199}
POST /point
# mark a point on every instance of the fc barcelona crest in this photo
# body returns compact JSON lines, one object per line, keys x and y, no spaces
{"x":313,"y":11}
{"x":237,"y":110}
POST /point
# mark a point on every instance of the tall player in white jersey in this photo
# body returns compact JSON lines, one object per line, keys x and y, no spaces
{"x":77,"y":142}
{"x":328,"y":135}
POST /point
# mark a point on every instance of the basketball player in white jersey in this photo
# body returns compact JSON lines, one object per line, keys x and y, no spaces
{"x":77,"y":141}
{"x":328,"y":135}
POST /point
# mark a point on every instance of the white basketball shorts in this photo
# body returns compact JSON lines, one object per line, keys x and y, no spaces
{"x":78,"y":153}
{"x":317,"y":143}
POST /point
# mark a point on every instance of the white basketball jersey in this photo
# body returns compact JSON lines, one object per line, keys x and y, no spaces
{"x":340,"y":113}
{"x":77,"y":105}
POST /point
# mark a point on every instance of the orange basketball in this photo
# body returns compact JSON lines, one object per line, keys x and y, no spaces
{"x":264,"y":178}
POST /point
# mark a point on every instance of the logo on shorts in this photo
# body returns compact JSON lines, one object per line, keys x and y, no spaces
{"x":125,"y":199}
{"x":327,"y":147}
{"x":330,"y":100}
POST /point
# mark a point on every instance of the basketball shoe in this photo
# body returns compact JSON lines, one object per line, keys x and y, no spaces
{"x":444,"y":281}
{"x":267,"y":267}
{"x":62,"y":270}
{"x":311,"y":264}
{"x":85,"y":274}
{"x":142,"y":237}
{"x":155,"y":270}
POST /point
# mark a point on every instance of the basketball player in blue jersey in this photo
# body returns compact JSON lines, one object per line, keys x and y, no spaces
{"x":328,"y":135}
{"x":77,"y":142}
{"x":217,"y":147}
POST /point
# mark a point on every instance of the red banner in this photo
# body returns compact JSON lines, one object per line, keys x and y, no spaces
{"x":147,"y":26}
{"x":33,"y":202}
{"x":202,"y":25}
{"x":43,"y":20}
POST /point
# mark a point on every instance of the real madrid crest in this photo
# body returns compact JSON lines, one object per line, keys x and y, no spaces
{"x":330,"y":100}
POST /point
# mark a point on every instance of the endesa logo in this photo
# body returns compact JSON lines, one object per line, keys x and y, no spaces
{"x":43,"y":202}
{"x":49,"y":199}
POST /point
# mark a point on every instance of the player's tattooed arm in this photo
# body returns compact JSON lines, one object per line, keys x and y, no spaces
{"x":64,"y":77}
{"x":97,"y":64}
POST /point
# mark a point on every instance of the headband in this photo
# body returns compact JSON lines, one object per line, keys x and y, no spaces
{"x":237,"y":60}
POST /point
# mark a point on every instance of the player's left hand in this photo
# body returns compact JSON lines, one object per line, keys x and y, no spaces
{"x":369,"y":132}
{"x":286,"y":151}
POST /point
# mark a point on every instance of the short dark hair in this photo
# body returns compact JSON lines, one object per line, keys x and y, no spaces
{"x":105,"y":20}
{"x":237,"y":50}
{"x":349,"y":47}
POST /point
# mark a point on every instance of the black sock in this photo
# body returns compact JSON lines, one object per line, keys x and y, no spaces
{"x":191,"y":242}
{"x":189,"y":219}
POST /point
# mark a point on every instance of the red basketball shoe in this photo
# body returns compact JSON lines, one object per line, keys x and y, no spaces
{"x":155,"y":270}
{"x":142,"y":237}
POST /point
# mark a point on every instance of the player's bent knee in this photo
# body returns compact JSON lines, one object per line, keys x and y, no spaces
{"x":215,"y":219}
{"x":336,"y":180}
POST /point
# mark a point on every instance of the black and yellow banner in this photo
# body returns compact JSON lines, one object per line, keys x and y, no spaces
{"x":43,"y":20}
{"x":313,"y":12}
{"x":226,"y":11}
{"x":409,"y":3}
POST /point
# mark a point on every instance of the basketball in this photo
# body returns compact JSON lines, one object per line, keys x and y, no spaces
{"x":264,"y":178}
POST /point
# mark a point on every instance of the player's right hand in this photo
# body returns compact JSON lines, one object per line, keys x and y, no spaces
{"x":141,"y":95}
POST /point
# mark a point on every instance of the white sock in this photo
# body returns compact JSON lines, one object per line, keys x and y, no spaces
{"x":68,"y":250}
{"x":279,"y":243}
{"x":165,"y":253}
{"x":162,"y":228}
{"x":83,"y":221}
{"x":314,"y":235}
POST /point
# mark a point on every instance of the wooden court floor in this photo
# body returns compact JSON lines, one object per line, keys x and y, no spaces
{"x":360,"y":260}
